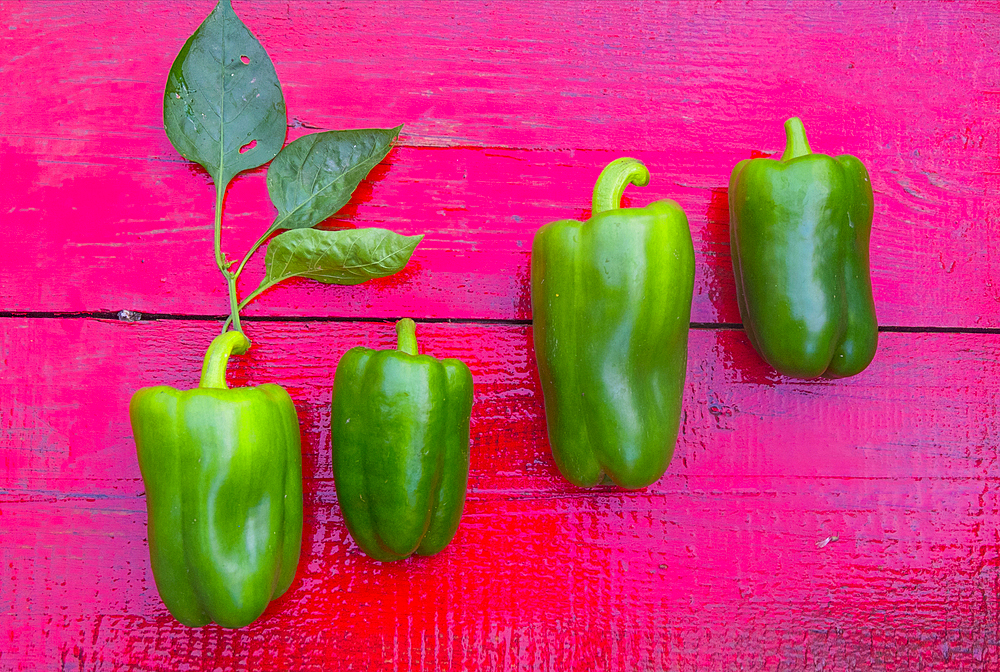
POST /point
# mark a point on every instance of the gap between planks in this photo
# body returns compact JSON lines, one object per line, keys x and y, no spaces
{"x":130,"y":316}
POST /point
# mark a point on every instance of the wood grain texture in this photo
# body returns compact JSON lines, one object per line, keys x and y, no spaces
{"x":526,"y":103}
{"x":719,"y":565}
{"x":802,"y":525}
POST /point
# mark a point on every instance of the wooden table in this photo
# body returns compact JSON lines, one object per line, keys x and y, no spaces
{"x":802,"y":525}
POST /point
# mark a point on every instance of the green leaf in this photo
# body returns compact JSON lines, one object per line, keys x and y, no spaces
{"x":222,"y":106}
{"x":314,"y":177}
{"x":344,"y":257}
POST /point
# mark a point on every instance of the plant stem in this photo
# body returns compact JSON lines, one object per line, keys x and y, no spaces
{"x":243,"y":304}
{"x":234,"y":307}
{"x":796,"y":142}
{"x":223,"y":264}
{"x":213,"y":370}
{"x":612,"y":181}
{"x":232,"y":277}
{"x":406,"y":336}
{"x":253,"y":248}
{"x":220,"y":259}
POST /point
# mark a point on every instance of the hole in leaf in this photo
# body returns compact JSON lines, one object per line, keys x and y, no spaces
{"x":245,"y":59}
{"x":247,"y":147}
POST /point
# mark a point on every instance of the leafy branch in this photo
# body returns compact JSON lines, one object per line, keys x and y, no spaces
{"x":223,"y":108}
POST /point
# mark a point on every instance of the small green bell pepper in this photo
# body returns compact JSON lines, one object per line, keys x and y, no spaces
{"x":799,"y":233}
{"x":611,"y":309}
{"x":400,"y":426}
{"x":223,"y":476}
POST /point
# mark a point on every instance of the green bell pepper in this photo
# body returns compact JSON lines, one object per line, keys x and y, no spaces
{"x":223,"y":476}
{"x":400,"y":426}
{"x":611,"y":309}
{"x":799,"y":233}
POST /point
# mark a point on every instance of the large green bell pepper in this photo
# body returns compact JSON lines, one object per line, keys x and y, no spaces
{"x":611,"y":309}
{"x":223,"y":476}
{"x":400,"y":426}
{"x":799,"y":233}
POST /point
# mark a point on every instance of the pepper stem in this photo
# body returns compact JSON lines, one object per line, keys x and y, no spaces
{"x":213,"y":371}
{"x":796,"y":143}
{"x":406,"y":333}
{"x":612,"y":181}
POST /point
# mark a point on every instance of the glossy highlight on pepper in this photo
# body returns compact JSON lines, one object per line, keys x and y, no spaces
{"x":400,"y":426}
{"x":611,"y":309}
{"x":799,"y":233}
{"x":223,"y":474}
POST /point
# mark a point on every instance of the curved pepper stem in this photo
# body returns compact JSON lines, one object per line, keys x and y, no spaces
{"x":796,"y":143}
{"x":406,"y":333}
{"x":213,"y":371}
{"x":612,"y":181}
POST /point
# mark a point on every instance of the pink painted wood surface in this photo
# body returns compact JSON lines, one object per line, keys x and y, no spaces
{"x":526,"y":103}
{"x":803,"y":525}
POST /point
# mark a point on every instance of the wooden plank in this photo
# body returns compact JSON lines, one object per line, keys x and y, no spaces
{"x":616,"y":582}
{"x":479,"y":210}
{"x":507,"y":74}
{"x":721,"y":563}
{"x":526,"y":113}
{"x":924,"y":408}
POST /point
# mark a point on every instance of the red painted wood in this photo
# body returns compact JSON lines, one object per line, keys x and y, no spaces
{"x":527,"y":106}
{"x":720,"y":561}
{"x":803,"y":525}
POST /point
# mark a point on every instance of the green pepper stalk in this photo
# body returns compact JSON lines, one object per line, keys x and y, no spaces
{"x":223,"y":474}
{"x":799,"y":231}
{"x":225,"y":265}
{"x":400,"y":428}
{"x":611,"y":309}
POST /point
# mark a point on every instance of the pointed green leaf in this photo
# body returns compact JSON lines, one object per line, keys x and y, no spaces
{"x":314,"y":177}
{"x":222,"y":106}
{"x":345,"y":257}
